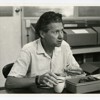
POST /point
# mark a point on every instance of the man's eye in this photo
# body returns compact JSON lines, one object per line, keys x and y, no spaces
{"x":57,"y":32}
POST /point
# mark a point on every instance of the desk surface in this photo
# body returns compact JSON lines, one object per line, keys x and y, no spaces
{"x":39,"y":91}
{"x":64,"y":92}
{"x":3,"y":92}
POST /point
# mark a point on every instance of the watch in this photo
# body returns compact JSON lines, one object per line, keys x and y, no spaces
{"x":37,"y":80}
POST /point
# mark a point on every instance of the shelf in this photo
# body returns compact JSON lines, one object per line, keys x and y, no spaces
{"x":85,"y":50}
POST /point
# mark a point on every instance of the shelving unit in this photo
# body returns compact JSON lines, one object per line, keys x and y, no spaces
{"x":86,"y":54}
{"x":86,"y":50}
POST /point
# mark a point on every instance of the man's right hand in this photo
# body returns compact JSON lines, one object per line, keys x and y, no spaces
{"x":49,"y":79}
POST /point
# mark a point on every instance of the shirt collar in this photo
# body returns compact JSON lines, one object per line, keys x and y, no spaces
{"x":40,"y":48}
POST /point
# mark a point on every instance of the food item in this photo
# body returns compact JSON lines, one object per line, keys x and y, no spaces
{"x":87,"y":79}
{"x":73,"y":72}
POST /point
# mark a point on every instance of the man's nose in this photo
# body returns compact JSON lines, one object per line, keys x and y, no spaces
{"x":60,"y":34}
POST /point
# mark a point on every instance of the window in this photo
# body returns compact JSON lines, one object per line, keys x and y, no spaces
{"x":37,"y":11}
{"x":6,"y":11}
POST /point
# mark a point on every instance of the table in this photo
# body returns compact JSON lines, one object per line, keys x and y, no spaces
{"x":50,"y":92}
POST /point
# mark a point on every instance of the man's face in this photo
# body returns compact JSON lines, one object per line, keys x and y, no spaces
{"x":54,"y":35}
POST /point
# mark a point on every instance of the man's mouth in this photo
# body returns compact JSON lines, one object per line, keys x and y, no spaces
{"x":59,"y":41}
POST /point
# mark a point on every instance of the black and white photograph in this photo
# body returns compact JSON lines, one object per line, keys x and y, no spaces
{"x":49,"y":49}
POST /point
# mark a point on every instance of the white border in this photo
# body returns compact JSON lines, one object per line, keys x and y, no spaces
{"x":46,"y":3}
{"x":50,"y":2}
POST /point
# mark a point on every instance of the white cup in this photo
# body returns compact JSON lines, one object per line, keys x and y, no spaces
{"x":60,"y":86}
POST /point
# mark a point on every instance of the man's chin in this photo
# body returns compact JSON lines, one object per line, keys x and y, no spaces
{"x":58,"y":45}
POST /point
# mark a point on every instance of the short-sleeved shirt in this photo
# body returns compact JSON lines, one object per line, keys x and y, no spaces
{"x":33,"y":60}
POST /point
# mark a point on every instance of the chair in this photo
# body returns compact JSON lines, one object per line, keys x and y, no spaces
{"x":6,"y":69}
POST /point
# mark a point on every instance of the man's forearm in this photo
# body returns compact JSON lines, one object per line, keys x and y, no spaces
{"x":13,"y":82}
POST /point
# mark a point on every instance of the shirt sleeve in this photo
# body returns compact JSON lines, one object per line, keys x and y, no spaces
{"x":21,"y":65}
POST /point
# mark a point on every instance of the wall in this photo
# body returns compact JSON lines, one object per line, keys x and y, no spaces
{"x":10,"y":40}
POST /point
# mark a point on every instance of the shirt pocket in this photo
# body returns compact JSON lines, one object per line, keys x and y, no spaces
{"x":58,"y":66}
{"x":43,"y":65}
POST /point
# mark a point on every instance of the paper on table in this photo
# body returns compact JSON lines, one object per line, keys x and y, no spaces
{"x":82,"y":31}
{"x":96,"y":76}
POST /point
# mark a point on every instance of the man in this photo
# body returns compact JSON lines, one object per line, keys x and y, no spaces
{"x":41,"y":60}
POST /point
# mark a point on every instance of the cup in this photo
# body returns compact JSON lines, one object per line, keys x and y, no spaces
{"x":60,"y":86}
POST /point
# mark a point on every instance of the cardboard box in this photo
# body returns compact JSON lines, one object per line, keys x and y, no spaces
{"x":74,"y":86}
{"x":80,"y":39}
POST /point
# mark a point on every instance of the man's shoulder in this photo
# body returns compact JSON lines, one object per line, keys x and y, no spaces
{"x":30,"y":46}
{"x":64,"y":43}
{"x":65,"y":46}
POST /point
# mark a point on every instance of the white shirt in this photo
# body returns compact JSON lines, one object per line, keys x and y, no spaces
{"x":33,"y":60}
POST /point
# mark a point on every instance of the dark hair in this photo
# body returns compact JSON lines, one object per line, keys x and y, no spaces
{"x":45,"y":19}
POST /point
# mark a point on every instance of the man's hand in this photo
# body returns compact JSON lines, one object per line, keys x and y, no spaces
{"x":75,"y":72}
{"x":49,"y":79}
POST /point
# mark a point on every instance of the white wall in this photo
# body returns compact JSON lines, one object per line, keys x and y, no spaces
{"x":10,"y":41}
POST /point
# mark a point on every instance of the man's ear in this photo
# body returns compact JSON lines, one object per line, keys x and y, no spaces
{"x":42,"y":34}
